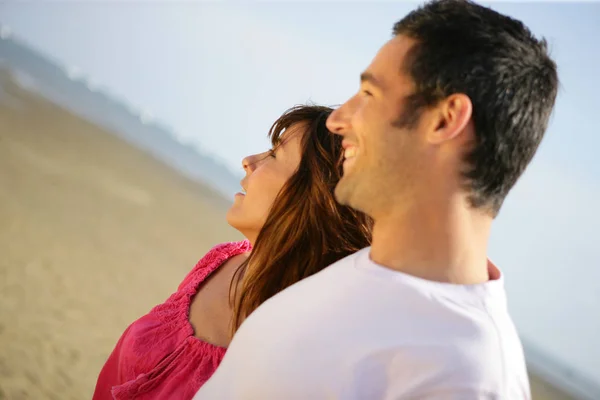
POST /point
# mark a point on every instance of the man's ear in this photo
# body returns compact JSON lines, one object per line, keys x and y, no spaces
{"x":450,"y":118}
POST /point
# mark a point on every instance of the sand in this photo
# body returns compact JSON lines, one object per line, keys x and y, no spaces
{"x":93,"y":233}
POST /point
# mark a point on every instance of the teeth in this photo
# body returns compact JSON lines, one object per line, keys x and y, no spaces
{"x":350,"y":152}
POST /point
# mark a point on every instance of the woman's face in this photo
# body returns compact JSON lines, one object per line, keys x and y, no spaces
{"x":266,"y":173}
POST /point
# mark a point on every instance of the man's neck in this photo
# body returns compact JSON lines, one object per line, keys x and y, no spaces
{"x":446,"y":242}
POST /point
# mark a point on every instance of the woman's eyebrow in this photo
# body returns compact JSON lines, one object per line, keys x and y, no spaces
{"x":280,"y":140}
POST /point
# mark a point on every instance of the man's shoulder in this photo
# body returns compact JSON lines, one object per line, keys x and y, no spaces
{"x":422,"y":370}
{"x":310,"y":298}
{"x":340,"y":270}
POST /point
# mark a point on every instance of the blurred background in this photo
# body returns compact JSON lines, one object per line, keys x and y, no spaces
{"x":122,"y":129}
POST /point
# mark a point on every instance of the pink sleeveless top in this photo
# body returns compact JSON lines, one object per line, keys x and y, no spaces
{"x":158,"y":357}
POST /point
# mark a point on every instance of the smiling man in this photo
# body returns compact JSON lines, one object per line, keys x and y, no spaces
{"x":449,"y":114}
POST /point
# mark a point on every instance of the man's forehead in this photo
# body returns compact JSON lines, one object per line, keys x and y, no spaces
{"x":387,"y":66}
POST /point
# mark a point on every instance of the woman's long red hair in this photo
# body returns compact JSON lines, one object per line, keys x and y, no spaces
{"x":306,"y":229}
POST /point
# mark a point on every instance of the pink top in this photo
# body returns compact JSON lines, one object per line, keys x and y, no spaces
{"x":158,"y":356}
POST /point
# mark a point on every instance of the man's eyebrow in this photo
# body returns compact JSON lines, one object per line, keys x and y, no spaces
{"x":370,"y":78}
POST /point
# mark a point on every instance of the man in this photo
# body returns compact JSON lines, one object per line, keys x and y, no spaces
{"x":448,"y":115}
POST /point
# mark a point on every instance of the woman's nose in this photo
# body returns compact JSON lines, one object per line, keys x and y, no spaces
{"x":249,"y":163}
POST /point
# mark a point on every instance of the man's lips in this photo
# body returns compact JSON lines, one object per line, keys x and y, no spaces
{"x":349,"y":152}
{"x":350,"y":149}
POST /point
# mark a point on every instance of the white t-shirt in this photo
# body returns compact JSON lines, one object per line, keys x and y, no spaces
{"x":357,"y":330}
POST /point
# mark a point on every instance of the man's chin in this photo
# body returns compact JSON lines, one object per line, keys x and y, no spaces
{"x":343,"y":192}
{"x":348,"y":193}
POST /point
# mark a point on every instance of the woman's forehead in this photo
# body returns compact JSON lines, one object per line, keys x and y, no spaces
{"x":293,"y":131}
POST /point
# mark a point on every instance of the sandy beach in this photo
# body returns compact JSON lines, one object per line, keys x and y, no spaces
{"x":93,"y":233}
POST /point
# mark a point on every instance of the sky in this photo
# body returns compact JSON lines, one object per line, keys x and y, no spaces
{"x":220,"y":73}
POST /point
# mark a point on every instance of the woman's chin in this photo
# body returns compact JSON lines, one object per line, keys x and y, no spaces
{"x":235,"y":219}
{"x":230,"y":217}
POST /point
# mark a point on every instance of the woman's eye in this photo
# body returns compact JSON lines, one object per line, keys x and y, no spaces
{"x":272,"y":153}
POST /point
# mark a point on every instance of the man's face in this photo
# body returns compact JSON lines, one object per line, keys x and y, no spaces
{"x":382,"y":158}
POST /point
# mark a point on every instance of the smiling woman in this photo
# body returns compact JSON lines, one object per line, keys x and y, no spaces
{"x":291,"y":208}
{"x":266,"y":174}
{"x":294,"y":228}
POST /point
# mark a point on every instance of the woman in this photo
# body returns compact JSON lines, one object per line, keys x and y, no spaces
{"x":294,"y":228}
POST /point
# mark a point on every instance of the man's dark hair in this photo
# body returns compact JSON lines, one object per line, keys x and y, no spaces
{"x":462,"y":47}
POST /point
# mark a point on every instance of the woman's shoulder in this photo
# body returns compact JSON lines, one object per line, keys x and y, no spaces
{"x":228,"y":249}
{"x":213,"y":259}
